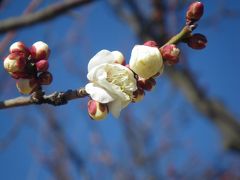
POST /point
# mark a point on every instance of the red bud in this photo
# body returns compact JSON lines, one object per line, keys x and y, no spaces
{"x":170,"y":54}
{"x":42,"y":65}
{"x":150,"y":44}
{"x":138,"y":95}
{"x":45,"y":78}
{"x":197,"y":41}
{"x":195,"y":11}
{"x":19,"y":47}
{"x":146,"y":84}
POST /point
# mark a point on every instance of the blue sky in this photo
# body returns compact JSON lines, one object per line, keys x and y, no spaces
{"x":73,"y":43}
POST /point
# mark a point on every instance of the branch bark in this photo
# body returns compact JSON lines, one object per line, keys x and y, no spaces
{"x":46,"y":14}
{"x":56,"y":98}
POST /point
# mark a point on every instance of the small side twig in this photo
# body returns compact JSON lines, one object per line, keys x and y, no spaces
{"x":184,"y":33}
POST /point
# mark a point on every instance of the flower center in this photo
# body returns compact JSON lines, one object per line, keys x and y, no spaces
{"x":121,"y":77}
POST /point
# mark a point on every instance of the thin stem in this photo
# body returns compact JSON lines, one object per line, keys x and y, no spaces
{"x":184,"y":33}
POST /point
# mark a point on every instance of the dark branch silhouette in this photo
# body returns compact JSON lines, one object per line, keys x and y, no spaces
{"x":46,"y":14}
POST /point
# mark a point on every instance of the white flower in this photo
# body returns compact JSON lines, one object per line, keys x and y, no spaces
{"x":146,"y":61}
{"x":111,"y":83}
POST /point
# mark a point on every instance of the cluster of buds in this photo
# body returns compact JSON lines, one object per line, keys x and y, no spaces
{"x":194,"y":13}
{"x":29,"y":66}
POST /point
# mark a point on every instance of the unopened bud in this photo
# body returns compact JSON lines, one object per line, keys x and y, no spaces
{"x":195,"y":11}
{"x":138,"y":95}
{"x":170,"y":53}
{"x":150,"y":44}
{"x":197,"y":41}
{"x":96,"y":110}
{"x":39,"y":50}
{"x":42,"y":65}
{"x":19,"y":47}
{"x":27,"y":86}
{"x":145,"y":61}
{"x":14,"y":62}
{"x":18,"y":75}
{"x":119,"y":58}
{"x":45,"y":78}
{"x":146,"y":84}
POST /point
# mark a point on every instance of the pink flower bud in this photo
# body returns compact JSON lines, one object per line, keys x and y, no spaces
{"x":138,"y":95}
{"x":150,"y":44}
{"x":170,"y":52}
{"x":15,"y":62}
{"x":42,"y":65}
{"x":197,"y":41}
{"x":27,"y":86}
{"x":119,"y":58}
{"x":195,"y":11}
{"x":19,"y":47}
{"x":39,"y":50}
{"x":96,"y":110}
{"x":146,"y":84}
{"x":18,"y":75}
{"x":45,"y":78}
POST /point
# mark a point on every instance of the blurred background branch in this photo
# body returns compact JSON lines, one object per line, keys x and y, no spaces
{"x":41,"y":16}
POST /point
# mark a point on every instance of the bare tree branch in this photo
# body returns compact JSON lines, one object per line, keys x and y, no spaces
{"x":46,"y":14}
{"x":56,"y":98}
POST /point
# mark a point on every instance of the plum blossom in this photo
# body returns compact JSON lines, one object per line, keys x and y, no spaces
{"x":110,"y":83}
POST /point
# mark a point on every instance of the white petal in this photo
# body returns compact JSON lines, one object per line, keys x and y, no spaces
{"x":103,"y":56}
{"x":98,"y":94}
{"x":97,"y":73}
{"x":115,"y":90}
{"x":115,"y":108}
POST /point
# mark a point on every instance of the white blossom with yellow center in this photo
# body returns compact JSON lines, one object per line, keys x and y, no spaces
{"x":110,"y":83}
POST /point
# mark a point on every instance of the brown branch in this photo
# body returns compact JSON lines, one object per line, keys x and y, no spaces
{"x":46,"y":14}
{"x":56,"y":98}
